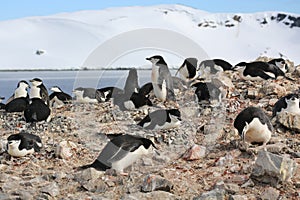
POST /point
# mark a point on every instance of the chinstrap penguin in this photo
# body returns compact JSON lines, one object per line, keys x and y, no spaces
{"x":161,"y":79}
{"x":132,"y":96}
{"x":17,"y":105}
{"x":85,"y":95}
{"x":146,"y":89}
{"x":58,"y":97}
{"x":106,"y":93}
{"x":20,"y":91}
{"x":214,"y":66}
{"x":280,"y":63}
{"x":259,"y":70}
{"x":22,"y":144}
{"x":136,"y":100}
{"x":161,"y":119}
{"x":253,"y":125}
{"x":121,"y":152}
{"x":2,"y":105}
{"x":38,"y":90}
{"x":188,"y":70}
{"x":131,"y":83}
{"x":207,"y":91}
{"x":37,"y":111}
{"x":289,"y":103}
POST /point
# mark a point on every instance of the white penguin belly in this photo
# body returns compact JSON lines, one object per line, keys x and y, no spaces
{"x":19,"y":153}
{"x":129,"y":159}
{"x":35,"y":92}
{"x":256,"y":132}
{"x":160,"y":93}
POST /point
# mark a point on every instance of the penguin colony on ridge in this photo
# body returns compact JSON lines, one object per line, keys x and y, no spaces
{"x":123,"y":150}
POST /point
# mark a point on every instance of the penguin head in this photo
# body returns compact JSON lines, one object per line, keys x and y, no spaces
{"x":240,"y":67}
{"x":157,"y":59}
{"x":140,"y":100}
{"x":23,"y":84}
{"x":241,"y":64}
{"x":293,"y":100}
{"x":13,"y":141}
{"x":281,"y":64}
{"x":176,"y":113}
{"x":148,"y":143}
{"x":36,"y":82}
{"x":55,"y":89}
{"x":191,"y":61}
{"x":1,"y":99}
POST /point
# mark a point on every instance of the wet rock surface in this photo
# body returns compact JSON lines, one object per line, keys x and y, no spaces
{"x":214,"y":166}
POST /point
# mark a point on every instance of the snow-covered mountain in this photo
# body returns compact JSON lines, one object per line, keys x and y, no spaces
{"x":66,"y":40}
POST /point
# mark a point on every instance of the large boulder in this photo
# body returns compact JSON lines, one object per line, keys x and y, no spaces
{"x":273,"y":169}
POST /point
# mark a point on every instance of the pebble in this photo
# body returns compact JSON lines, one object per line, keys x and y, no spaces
{"x":52,"y":189}
{"x":154,"y":182}
{"x":196,"y":152}
{"x":270,"y":194}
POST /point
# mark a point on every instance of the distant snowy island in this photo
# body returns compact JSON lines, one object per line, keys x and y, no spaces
{"x":67,"y":40}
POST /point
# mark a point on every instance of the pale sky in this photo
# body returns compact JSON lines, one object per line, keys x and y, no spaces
{"x":13,"y":9}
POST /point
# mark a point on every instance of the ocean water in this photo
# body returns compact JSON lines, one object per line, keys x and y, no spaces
{"x":69,"y":80}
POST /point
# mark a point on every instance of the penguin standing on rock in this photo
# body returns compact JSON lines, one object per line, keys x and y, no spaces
{"x":161,"y":119}
{"x":22,"y":144}
{"x":289,"y":103}
{"x":37,"y":110}
{"x":121,"y":152}
{"x":161,"y":79}
{"x":38,"y":90}
{"x":254,"y":126}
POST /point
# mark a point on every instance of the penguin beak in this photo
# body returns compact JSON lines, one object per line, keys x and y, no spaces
{"x":148,"y":58}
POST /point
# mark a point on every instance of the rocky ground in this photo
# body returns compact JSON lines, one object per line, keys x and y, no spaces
{"x":202,"y":159}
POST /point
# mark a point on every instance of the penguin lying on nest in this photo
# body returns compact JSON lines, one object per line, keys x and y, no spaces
{"x":22,"y":144}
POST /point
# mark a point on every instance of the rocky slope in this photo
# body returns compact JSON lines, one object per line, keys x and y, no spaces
{"x":216,"y":167}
